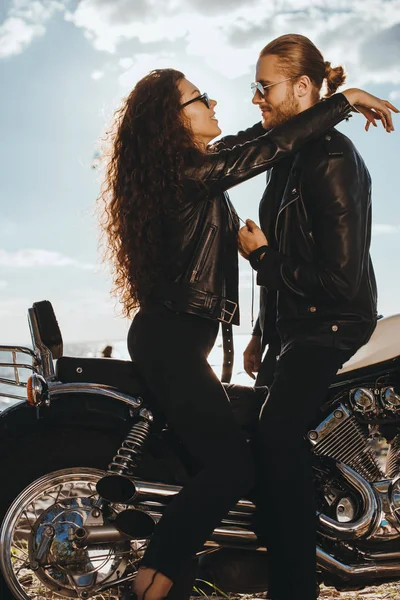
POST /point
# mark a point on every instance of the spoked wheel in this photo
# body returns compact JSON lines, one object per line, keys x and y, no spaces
{"x":38,"y":554}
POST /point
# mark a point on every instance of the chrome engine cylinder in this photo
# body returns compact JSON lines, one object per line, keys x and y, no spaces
{"x":340,"y":437}
{"x":393,"y":458}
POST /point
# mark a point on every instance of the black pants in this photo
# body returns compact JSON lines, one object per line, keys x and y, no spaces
{"x":265,"y":375}
{"x":171,"y":350}
{"x":286,"y":515}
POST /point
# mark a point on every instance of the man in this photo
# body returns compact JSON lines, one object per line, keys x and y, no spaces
{"x":318,"y":300}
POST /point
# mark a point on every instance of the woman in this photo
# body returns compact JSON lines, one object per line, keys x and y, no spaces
{"x":172,"y":239}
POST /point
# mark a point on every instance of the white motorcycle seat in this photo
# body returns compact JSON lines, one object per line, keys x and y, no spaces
{"x":383,"y":345}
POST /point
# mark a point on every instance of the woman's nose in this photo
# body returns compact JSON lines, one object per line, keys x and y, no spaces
{"x":213,"y":103}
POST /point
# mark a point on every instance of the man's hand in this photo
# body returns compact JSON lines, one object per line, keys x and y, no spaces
{"x":252,"y":356}
{"x":250,"y":237}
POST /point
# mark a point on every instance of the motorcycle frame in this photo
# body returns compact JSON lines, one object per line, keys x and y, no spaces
{"x":376,"y":568}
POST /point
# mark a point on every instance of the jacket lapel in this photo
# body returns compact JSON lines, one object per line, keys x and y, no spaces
{"x":291,"y":193}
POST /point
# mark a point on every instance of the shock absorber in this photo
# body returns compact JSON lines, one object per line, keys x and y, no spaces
{"x":116,"y":485}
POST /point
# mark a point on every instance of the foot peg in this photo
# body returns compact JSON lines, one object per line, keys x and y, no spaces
{"x":116,"y":488}
{"x":135,"y":523}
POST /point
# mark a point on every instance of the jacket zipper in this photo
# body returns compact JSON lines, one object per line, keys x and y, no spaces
{"x":279,"y":214}
{"x":203,"y":254}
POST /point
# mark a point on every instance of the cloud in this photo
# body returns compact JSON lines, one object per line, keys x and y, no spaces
{"x":208,"y":7}
{"x":24,"y":22}
{"x":383,"y":48}
{"x":3,"y":284}
{"x":384,"y":229}
{"x":228,"y":34}
{"x":33,"y":258}
{"x":96,"y":75}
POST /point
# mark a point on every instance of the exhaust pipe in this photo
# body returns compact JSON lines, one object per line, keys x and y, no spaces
{"x":354,"y":573}
{"x":361,"y":527}
{"x":245,"y":509}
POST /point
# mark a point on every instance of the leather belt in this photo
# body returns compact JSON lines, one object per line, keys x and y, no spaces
{"x":227,"y":345}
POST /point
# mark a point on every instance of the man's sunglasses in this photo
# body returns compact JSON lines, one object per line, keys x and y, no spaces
{"x":203,"y":98}
{"x":259,"y":87}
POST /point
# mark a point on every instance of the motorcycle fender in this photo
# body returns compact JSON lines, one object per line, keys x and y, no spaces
{"x":75,"y":410}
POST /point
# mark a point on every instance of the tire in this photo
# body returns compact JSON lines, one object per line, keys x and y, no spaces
{"x":25,"y":460}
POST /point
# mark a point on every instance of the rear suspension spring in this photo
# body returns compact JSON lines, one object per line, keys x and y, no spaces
{"x":132,"y":448}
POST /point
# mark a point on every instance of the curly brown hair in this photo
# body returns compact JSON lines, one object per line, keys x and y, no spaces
{"x":150,"y":141}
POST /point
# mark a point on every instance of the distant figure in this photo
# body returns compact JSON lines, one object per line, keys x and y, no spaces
{"x":107,"y":352}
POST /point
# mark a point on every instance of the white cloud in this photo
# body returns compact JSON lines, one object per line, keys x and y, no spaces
{"x":32,"y":258}
{"x":126,"y":62}
{"x":24,"y":22}
{"x":96,"y":75}
{"x":384,"y":229}
{"x":227,"y":35}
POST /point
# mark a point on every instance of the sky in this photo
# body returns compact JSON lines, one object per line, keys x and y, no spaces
{"x":65,"y":67}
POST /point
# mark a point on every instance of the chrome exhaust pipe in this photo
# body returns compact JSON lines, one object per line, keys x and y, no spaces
{"x":245,"y":509}
{"x":361,"y":527}
{"x":353,"y":573}
{"x":105,"y":534}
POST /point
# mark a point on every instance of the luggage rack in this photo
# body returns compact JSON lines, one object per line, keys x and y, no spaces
{"x":12,"y":371}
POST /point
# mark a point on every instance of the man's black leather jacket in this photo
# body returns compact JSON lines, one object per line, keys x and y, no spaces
{"x":322,"y":268}
{"x":204,"y":276}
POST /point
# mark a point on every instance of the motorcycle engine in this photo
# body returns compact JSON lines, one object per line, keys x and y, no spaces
{"x":362,"y":433}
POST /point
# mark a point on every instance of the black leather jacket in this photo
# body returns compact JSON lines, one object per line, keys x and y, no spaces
{"x":322,"y":268}
{"x":204,"y":276}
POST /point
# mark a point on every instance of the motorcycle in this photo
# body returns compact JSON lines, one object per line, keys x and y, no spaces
{"x":89,"y":464}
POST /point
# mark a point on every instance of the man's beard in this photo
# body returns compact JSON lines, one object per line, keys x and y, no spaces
{"x":285,"y":110}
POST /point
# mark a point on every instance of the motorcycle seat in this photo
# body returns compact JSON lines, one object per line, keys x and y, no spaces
{"x":120,"y":374}
{"x":382,"y":348}
{"x":124,"y":375}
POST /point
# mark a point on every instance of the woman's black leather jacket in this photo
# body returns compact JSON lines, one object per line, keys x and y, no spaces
{"x":204,"y":278}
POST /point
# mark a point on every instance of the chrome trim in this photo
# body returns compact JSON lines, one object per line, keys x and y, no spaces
{"x":19,"y":350}
{"x":109,"y":533}
{"x":99,"y":534}
{"x":351,"y":530}
{"x":46,"y":357}
{"x":383,"y":570}
{"x":366,"y":522}
{"x":15,"y":366}
{"x":12,"y":397}
{"x":145,"y":489}
{"x":58,"y":389}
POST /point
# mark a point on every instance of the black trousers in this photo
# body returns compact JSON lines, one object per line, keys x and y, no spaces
{"x":171,"y":350}
{"x":265,"y":375}
{"x":286,"y":515}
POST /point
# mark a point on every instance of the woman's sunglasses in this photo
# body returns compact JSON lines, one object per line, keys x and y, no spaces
{"x":203,"y":98}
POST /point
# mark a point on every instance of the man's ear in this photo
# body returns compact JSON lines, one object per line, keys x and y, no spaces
{"x":302,"y":86}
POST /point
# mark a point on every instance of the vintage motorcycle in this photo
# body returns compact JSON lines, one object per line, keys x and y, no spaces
{"x":60,"y":538}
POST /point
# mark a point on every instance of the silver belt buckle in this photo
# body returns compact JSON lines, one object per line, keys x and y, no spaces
{"x":227,"y":313}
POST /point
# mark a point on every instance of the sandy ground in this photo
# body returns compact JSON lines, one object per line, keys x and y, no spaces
{"x":389,"y":591}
